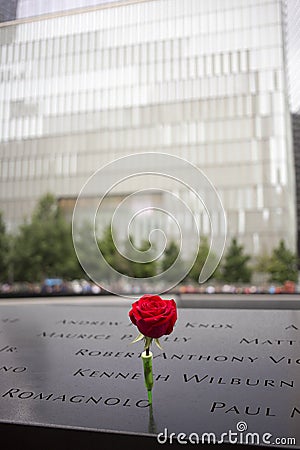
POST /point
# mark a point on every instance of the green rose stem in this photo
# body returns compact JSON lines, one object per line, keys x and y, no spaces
{"x":147,"y":357}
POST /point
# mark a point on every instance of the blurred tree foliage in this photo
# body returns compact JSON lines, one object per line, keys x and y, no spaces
{"x":4,"y":250}
{"x":262,"y":263}
{"x":200,"y":260}
{"x":235,"y":268}
{"x":171,"y":259}
{"x":282,"y":264}
{"x":43,"y":248}
{"x":148,"y":266}
{"x":170,"y":254}
{"x":85,"y":249}
{"x":111,"y":255}
{"x":125,"y":264}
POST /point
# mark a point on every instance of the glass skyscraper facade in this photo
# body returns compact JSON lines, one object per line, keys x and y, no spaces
{"x":296,"y":144}
{"x":33,"y":8}
{"x":205,"y":81}
{"x":292,"y":13}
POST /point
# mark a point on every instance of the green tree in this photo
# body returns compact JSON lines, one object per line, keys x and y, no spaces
{"x":4,"y":250}
{"x":172,"y":258}
{"x":85,"y":249}
{"x":128,"y":265}
{"x":111,"y":255}
{"x":200,"y":260}
{"x":170,"y":254}
{"x":124,"y":264}
{"x":44,"y":247}
{"x":282,"y":265}
{"x":146,"y":268}
{"x":107,"y":246}
{"x":236,"y":264}
{"x":262,"y":263}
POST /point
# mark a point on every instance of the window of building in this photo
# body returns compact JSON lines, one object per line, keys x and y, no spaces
{"x":234,"y":62}
{"x":217,"y":64}
{"x":4,"y":169}
{"x":208,"y":65}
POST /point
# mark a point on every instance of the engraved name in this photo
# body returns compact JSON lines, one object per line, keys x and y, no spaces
{"x":257,"y":341}
{"x":89,"y":322}
{"x":77,"y":398}
{"x":8,"y":348}
{"x":55,"y":334}
{"x":208,"y":325}
{"x":92,"y":373}
{"x":10,"y":320}
{"x":172,"y":356}
{"x":9,"y":369}
{"x":284,"y":360}
{"x":236,"y":381}
{"x":217,"y":407}
{"x":174,"y":338}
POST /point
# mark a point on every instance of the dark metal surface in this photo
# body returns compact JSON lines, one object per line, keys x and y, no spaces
{"x":73,"y":366}
{"x":240,"y":301}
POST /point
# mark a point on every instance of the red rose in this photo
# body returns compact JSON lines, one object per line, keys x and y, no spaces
{"x":153,"y":316}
